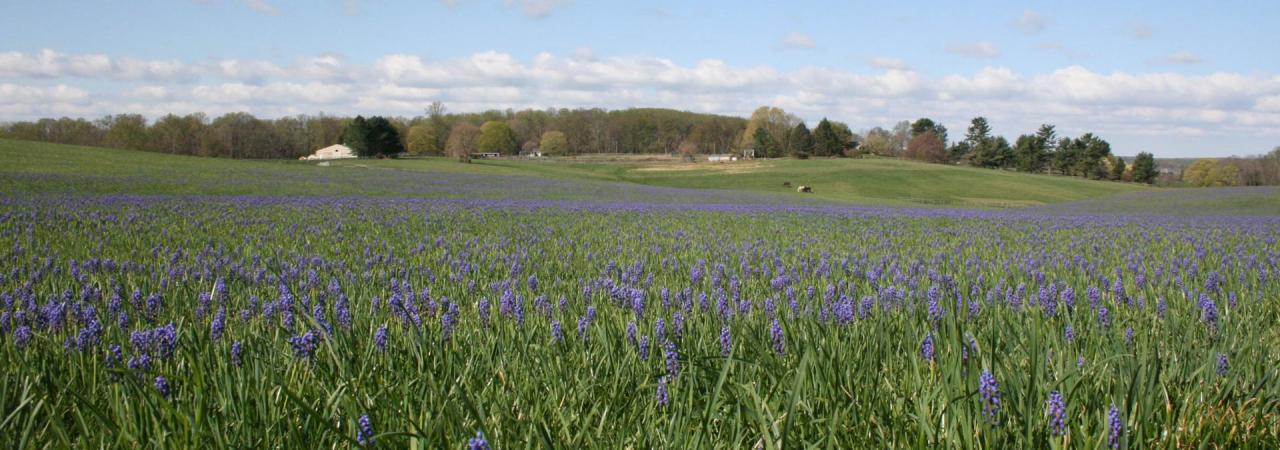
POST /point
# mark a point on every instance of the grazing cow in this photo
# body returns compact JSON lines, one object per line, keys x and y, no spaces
{"x":805,"y":189}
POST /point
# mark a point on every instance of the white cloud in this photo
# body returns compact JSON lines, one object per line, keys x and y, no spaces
{"x":261,"y":6}
{"x":1182,"y":58}
{"x":1076,"y":98}
{"x":888,"y":63}
{"x":981,"y":49}
{"x":797,"y":40}
{"x":1031,"y":22}
{"x":1140,"y":30}
{"x":533,"y":9}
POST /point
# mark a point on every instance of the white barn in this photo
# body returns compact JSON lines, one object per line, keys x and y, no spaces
{"x":336,"y":151}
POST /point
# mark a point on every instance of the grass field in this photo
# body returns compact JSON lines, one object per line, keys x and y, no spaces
{"x":171,"y":302}
{"x":40,"y":167}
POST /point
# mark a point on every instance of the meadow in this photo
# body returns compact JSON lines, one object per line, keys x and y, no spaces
{"x":157,"y":301}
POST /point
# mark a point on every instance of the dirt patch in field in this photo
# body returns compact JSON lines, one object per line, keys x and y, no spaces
{"x":726,"y":167}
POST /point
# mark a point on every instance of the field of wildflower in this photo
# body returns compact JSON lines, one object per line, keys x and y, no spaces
{"x":609,"y":321}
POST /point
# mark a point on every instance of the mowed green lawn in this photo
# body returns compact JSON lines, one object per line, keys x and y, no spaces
{"x":39,"y":167}
{"x":877,"y":181}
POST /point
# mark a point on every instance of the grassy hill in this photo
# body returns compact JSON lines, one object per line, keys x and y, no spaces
{"x":42,"y":167}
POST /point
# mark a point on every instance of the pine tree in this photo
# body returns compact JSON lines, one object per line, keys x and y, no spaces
{"x":826,"y":142}
{"x":800,"y":141}
{"x":1144,"y":168}
{"x":357,"y":136}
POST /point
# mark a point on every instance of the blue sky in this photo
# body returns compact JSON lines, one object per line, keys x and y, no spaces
{"x":1173,"y":78}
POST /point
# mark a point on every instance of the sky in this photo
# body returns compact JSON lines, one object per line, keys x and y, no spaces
{"x":1174,"y":78}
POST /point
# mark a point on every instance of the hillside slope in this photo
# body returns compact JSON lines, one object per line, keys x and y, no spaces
{"x":36,"y":167}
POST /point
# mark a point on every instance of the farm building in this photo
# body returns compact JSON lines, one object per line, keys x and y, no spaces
{"x":486,"y":155}
{"x":722,"y":158}
{"x":336,"y":151}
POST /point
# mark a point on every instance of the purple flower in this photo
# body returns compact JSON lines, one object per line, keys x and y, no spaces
{"x":926,"y":348}
{"x":631,"y":332}
{"x":364,"y":435}
{"x":1222,"y":364}
{"x":779,"y":340}
{"x":673,"y":359}
{"x":380,"y":338}
{"x":1057,"y":412}
{"x":219,"y":323}
{"x":1209,"y":312}
{"x":582,"y":328}
{"x":483,"y":311}
{"x":643,"y":347}
{"x":162,"y":386}
{"x":533,"y":282}
{"x":236,"y":350}
{"x":304,"y":345}
{"x":342,"y":309}
{"x":1128,"y":336}
{"x":1104,"y":316}
{"x":478,"y":442}
{"x":1070,"y":334}
{"x":990,"y":392}
{"x":557,"y":333}
{"x":726,"y":341}
{"x":935,"y":310}
{"x":663,"y":398}
{"x":1117,"y":427}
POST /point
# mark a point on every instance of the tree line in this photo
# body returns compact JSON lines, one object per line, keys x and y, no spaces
{"x":769,"y":132}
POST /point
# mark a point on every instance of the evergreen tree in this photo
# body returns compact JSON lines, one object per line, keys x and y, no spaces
{"x":357,"y":136}
{"x":764,"y":144}
{"x":1144,"y":168}
{"x":1030,"y":154}
{"x":382,"y":137}
{"x":826,"y":141}
{"x":800,"y":141}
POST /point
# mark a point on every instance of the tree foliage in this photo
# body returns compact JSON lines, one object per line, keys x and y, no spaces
{"x":826,"y":141}
{"x":1210,"y":173}
{"x":554,"y":143}
{"x":496,"y":137}
{"x":800,"y":142}
{"x":927,"y":147}
{"x":1144,"y":168}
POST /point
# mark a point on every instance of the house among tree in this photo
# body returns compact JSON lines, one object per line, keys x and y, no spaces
{"x":722,"y":158}
{"x":336,"y":151}
{"x":749,"y":152}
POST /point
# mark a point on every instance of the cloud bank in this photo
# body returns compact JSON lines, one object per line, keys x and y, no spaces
{"x":49,"y":83}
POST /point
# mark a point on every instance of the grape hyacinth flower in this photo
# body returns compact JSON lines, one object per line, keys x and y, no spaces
{"x":380,"y":338}
{"x":663,"y":397}
{"x":1070,"y":334}
{"x":478,"y":442}
{"x":779,"y":340}
{"x":990,"y":392}
{"x":1128,"y":336}
{"x":673,"y":359}
{"x":1104,"y":316}
{"x":364,"y":435}
{"x":236,"y":350}
{"x":1209,"y":312}
{"x":1222,"y":364}
{"x":935,"y":310}
{"x":926,"y":348}
{"x":557,"y":333}
{"x":726,"y":341}
{"x":1116,"y":425}
{"x":162,"y":386}
{"x":1057,"y":411}
{"x":304,"y":345}
{"x":219,"y":323}
{"x":643,"y":348}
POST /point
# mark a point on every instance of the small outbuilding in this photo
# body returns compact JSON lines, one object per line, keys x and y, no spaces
{"x":336,"y":151}
{"x":721,"y":158}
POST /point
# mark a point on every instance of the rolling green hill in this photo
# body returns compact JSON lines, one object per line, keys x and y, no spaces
{"x":41,"y":167}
